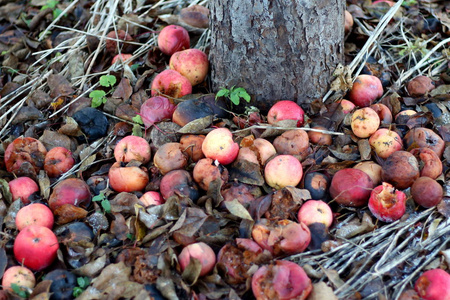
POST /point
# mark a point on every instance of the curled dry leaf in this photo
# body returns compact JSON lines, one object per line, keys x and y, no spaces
{"x":355,"y":227}
{"x":67,"y":213}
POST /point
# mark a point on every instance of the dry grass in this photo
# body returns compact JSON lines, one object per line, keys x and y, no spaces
{"x":365,"y":257}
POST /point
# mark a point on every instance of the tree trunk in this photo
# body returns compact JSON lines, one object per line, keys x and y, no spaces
{"x":276,"y":49}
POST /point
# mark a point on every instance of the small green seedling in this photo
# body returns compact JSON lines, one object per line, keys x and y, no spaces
{"x":137,"y":129}
{"x":52,"y":4}
{"x":83,"y":283}
{"x":234,"y":94}
{"x":106,"y":205}
{"x":99,"y":96}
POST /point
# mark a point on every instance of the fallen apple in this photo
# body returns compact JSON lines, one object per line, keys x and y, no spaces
{"x":34,"y":214}
{"x":22,"y":188}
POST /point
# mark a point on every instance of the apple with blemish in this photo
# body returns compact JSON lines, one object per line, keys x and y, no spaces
{"x":315,"y":211}
{"x":372,"y":169}
{"x":320,"y":138}
{"x":23,"y":155}
{"x":263,"y":149}
{"x":219,"y":145}
{"x":170,"y":157}
{"x":20,"y":276}
{"x":346,"y":106}
{"x":58,"y":161}
{"x":386,"y":203}
{"x":191,"y":63}
{"x":383,"y":112}
{"x":22,"y":188}
{"x":124,"y":178}
{"x":132,"y":148}
{"x":191,"y":145}
{"x":70,"y":191}
{"x":385,"y":142}
{"x":281,"y":279}
{"x":427,"y":192}
{"x":429,"y":162}
{"x":400,"y":169}
{"x":206,"y":171}
{"x":420,"y":86}
{"x":122,"y":58}
{"x":178,"y":182}
{"x":424,"y":138}
{"x":365,"y":122}
{"x":433,"y":284}
{"x":170,"y":83}
{"x":366,"y":89}
{"x":293,"y":142}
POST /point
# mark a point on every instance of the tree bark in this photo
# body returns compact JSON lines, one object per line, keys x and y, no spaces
{"x":276,"y":49}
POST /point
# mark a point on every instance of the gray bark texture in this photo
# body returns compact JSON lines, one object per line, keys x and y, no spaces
{"x":276,"y":49}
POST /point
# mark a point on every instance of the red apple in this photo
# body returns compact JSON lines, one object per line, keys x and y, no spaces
{"x":315,"y":211}
{"x":58,"y":161}
{"x":351,"y":187}
{"x":219,"y":145}
{"x":400,"y":169}
{"x":151,"y":198}
{"x":35,"y":247}
{"x":365,"y":121}
{"x":127,"y":179}
{"x":366,"y":89}
{"x":21,"y":276}
{"x":282,"y":171}
{"x":171,"y":84}
{"x":386,"y":203}
{"x":34,"y":214}
{"x":191,"y":63}
{"x":427,"y":192}
{"x":201,"y":252}
{"x":173,"y":38}
{"x":383,"y":112}
{"x":70,"y":191}
{"x":179,"y":182}
{"x":286,"y":110}
{"x":23,"y":188}
{"x":132,"y":148}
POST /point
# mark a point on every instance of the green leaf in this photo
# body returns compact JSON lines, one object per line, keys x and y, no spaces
{"x":83,"y":282}
{"x":245,"y":95}
{"x":223,"y":92}
{"x":99,"y":197}
{"x":106,"y":205}
{"x":77,"y":291}
{"x":108,"y":80}
{"x":137,"y":130}
{"x":235,"y":99}
{"x":138,"y":120}
{"x":56,"y":13}
{"x":98,"y":98}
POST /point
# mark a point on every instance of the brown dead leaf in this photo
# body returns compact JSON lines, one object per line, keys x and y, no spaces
{"x":197,"y":126}
{"x":322,"y":291}
{"x":334,"y":277}
{"x":123,"y":203}
{"x":123,"y":90}
{"x":444,"y":207}
{"x":237,"y":209}
{"x":27,"y":113}
{"x":126,"y":111}
{"x":52,"y":139}
{"x":119,"y":227}
{"x":92,"y":268}
{"x":59,"y":86}
{"x":41,"y":290}
{"x":70,"y":128}
{"x":364,"y":149}
{"x":190,"y":221}
{"x":168,"y":133}
{"x":67,"y":213}
{"x":356,"y":227}
{"x":246,"y":172}
{"x":4,"y":189}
